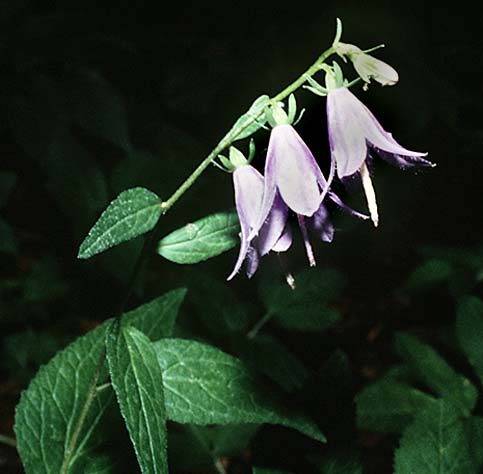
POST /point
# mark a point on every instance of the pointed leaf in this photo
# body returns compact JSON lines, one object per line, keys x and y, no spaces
{"x":435,"y":443}
{"x":136,"y":377}
{"x":134,"y":212}
{"x":203,"y":385}
{"x":58,"y":417}
{"x":433,"y":370}
{"x":202,"y":239}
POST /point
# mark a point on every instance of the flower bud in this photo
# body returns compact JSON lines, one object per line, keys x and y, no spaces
{"x":368,"y":67}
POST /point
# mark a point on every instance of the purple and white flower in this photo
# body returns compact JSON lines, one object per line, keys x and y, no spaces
{"x":293,"y":175}
{"x":353,"y":133}
{"x":274,"y":234}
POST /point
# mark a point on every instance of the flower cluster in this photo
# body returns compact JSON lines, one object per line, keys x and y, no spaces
{"x":293,"y":181}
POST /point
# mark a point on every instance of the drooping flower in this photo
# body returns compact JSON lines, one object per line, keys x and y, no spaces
{"x":274,"y":234}
{"x":353,"y":133}
{"x":292,"y":173}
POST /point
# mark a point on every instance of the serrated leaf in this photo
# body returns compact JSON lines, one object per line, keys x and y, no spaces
{"x":57,"y":434}
{"x":196,"y":377}
{"x":252,"y":120}
{"x":469,"y":329}
{"x":136,"y":377}
{"x":434,"y":443}
{"x":389,"y":406}
{"x":202,"y":239}
{"x":433,"y":370}
{"x":429,"y":274}
{"x":339,"y":462}
{"x":134,"y":212}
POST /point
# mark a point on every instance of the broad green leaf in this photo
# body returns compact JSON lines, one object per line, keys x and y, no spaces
{"x":434,"y":443}
{"x":429,"y":274}
{"x":202,"y":239}
{"x":469,"y":329}
{"x":203,"y":385}
{"x":252,"y":120}
{"x":433,"y":370}
{"x":389,"y":406}
{"x":134,"y":212}
{"x":136,"y":377}
{"x":7,"y":183}
{"x":57,"y":434}
{"x":231,"y":440}
{"x":156,"y":319}
{"x":270,"y":357}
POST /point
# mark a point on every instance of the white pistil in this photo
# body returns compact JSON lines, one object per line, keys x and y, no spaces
{"x":370,"y":194}
{"x":305,"y":235}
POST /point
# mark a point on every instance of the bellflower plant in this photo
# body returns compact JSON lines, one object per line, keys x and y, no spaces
{"x":292,"y":173}
{"x":354,"y":133}
{"x":274,"y":234}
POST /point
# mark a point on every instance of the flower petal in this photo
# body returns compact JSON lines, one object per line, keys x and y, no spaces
{"x":346,"y":137}
{"x":295,"y":170}
{"x":248,"y":183}
{"x":284,"y":242}
{"x":345,"y":207}
{"x":253,"y":258}
{"x":321,"y":224}
{"x":273,"y":227}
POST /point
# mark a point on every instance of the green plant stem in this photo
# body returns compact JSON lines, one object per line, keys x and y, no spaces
{"x":8,"y":441}
{"x":259,"y":324}
{"x":230,"y":137}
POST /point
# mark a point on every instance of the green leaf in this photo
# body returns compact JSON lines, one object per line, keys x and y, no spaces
{"x":57,"y":434}
{"x":231,"y":440}
{"x":432,"y":370}
{"x":429,"y":274}
{"x":252,"y":120}
{"x":389,"y":406}
{"x":469,"y":329}
{"x":202,"y":239}
{"x":196,"y":378}
{"x":134,"y":212}
{"x":136,"y":377}
{"x":156,"y":319}
{"x":434,"y":443}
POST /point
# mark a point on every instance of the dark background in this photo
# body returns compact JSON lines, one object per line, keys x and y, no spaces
{"x":98,"y":97}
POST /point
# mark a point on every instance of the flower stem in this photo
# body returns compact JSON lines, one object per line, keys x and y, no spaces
{"x":230,"y":137}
